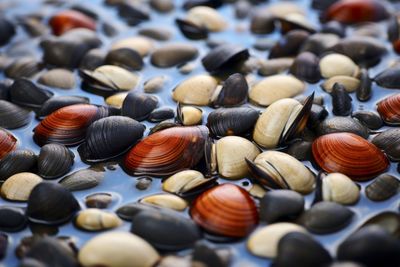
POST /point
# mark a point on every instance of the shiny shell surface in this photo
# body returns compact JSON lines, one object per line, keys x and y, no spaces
{"x":7,"y":143}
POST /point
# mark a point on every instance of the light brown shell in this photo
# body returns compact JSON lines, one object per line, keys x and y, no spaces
{"x":96,"y":219}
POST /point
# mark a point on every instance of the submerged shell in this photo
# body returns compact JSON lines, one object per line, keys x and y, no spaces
{"x":97,"y":220}
{"x":19,"y":186}
{"x":196,"y":90}
{"x":13,"y":116}
{"x":54,"y":161}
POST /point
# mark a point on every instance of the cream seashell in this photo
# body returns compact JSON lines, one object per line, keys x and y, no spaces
{"x":183,"y":181}
{"x":142,"y":45}
{"x":95,"y":219}
{"x":116,"y":77}
{"x":196,"y":90}
{"x":339,"y":188}
{"x":191,"y":115}
{"x":351,"y":84}
{"x":19,"y":186}
{"x":337,"y":64}
{"x":166,"y":201}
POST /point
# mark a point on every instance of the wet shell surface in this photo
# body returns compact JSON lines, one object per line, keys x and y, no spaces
{"x":386,"y":140}
{"x":70,"y":19}
{"x":339,"y":188}
{"x":207,"y":17}
{"x":17,"y":161}
{"x":389,"y":108}
{"x":189,"y":115}
{"x":7,"y":143}
{"x":173,"y":54}
{"x":166,"y":201}
{"x":336,"y":64}
{"x":196,"y":90}
{"x":59,"y":78}
{"x":82,"y":179}
{"x":116,"y":100}
{"x":96,"y":220}
{"x":186,"y":181}
{"x":54,"y":161}
{"x":350,"y":84}
{"x":19,"y":186}
{"x":226,"y":210}
{"x":341,"y":152}
{"x":57,"y":102}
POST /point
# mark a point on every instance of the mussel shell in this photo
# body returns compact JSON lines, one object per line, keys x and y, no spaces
{"x":389,"y":78}
{"x":388,"y":108}
{"x":25,"y":93}
{"x":7,"y":30}
{"x":388,"y":142}
{"x":341,"y":101}
{"x":58,"y":102}
{"x":342,"y":124}
{"x":191,"y":30}
{"x":23,"y":67}
{"x":289,"y":45}
{"x":306,"y":67}
{"x":68,"y":125}
{"x":226,"y":210}
{"x":125,"y":58}
{"x":17,"y":161}
{"x":364,"y":91}
{"x":82,"y":179}
{"x":161,"y":114}
{"x":387,"y":220}
{"x":224,"y":56}
{"x":13,"y":116}
{"x":51,"y":203}
{"x":7,"y":143}
{"x":139,"y":106}
{"x":368,"y":118}
{"x":130,"y":210}
{"x":93,"y":59}
{"x":54,"y":161}
{"x":383,"y":187}
{"x":12,"y":219}
{"x":232,"y":121}
{"x":109,"y":137}
{"x":167,"y":152}
{"x":341,"y":152}
{"x":70,"y":19}
{"x":234,"y":92}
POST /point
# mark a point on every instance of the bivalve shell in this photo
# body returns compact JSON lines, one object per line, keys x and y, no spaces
{"x":82,"y":179}
{"x":54,"y":161}
{"x":186,"y":181}
{"x":339,"y":188}
{"x":389,"y":108}
{"x":59,"y":78}
{"x":97,"y":220}
{"x":142,"y":45}
{"x":207,"y":17}
{"x":225,"y":56}
{"x":13,"y":116}
{"x":17,"y":161}
{"x":383,"y":187}
{"x":116,"y":100}
{"x":19,"y":186}
{"x":7,"y":143}
{"x":189,"y":115}
{"x":70,"y":19}
{"x":196,"y":90}
{"x":166,"y":201}
{"x":57,"y":102}
{"x":337,"y":64}
{"x":173,"y":54}
{"x":351,"y":84}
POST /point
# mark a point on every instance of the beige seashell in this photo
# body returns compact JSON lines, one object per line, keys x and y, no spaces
{"x":191,"y":115}
{"x":166,"y":201}
{"x":257,"y":191}
{"x":282,"y":9}
{"x":60,"y":78}
{"x":337,"y":64}
{"x":207,"y":17}
{"x":350,"y":83}
{"x":19,"y":186}
{"x":173,"y":54}
{"x":154,"y":85}
{"x":231,"y":154}
{"x":183,"y":181}
{"x":276,"y":87}
{"x":196,"y":90}
{"x":116,"y":77}
{"x":95,"y":220}
{"x":264,"y":242}
{"x":339,"y":188}
{"x":142,"y":45}
{"x":118,"y":249}
{"x":116,"y":100}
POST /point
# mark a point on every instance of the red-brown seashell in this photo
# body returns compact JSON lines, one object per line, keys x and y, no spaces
{"x":7,"y":143}
{"x":355,"y":11}
{"x":349,"y":154}
{"x":70,"y":19}
{"x":226,"y":210}
{"x":68,"y":125}
{"x":389,"y":109}
{"x":167,"y":152}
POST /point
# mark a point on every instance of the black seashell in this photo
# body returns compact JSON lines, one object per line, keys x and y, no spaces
{"x":289,"y":45}
{"x":364,"y":91}
{"x":233,"y":93}
{"x":58,"y":102}
{"x":12,"y":219}
{"x":133,"y":13}
{"x":93,"y":59}
{"x":306,"y":67}
{"x":110,"y":137}
{"x":7,"y":31}
{"x":191,"y":30}
{"x":25,"y":93}
{"x":126,"y":58}
{"x":383,"y":187}
{"x":17,"y":161}
{"x":55,"y":160}
{"x":50,"y":203}
{"x":161,"y":114}
{"x":232,"y":121}
{"x":210,"y":3}
{"x":82,"y":179}
{"x":129,"y":211}
{"x":389,"y":78}
{"x":300,"y":149}
{"x":165,"y":230}
{"x":341,"y":101}
{"x":224,"y":56}
{"x":389,"y":141}
{"x":342,"y":124}
{"x":262,"y":22}
{"x":139,"y":106}
{"x":13,"y":116}
{"x":23,"y":67}
{"x":5,"y":89}
{"x":369,"y":118}
{"x":317,"y":115}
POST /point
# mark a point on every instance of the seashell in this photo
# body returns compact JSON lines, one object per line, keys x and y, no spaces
{"x":82,"y":179}
{"x":18,"y":187}
{"x":336,"y":64}
{"x":57,"y":102}
{"x":388,"y":78}
{"x":110,"y":137}
{"x":154,"y":84}
{"x":280,"y":204}
{"x":54,"y":161}
{"x":164,"y":125}
{"x":196,"y":90}
{"x":342,"y":124}
{"x":157,"y":33}
{"x":133,"y":13}
{"x":23,"y":92}
{"x":118,"y":249}
{"x":70,"y":19}
{"x":68,"y":125}
{"x":383,"y":187}
{"x":139,"y":106}
{"x":225,"y":56}
{"x":299,"y":249}
{"x":93,"y":59}
{"x":230,"y":154}
{"x":356,"y":11}
{"x":226,"y":210}
{"x":13,"y":116}
{"x":318,"y":43}
{"x":129,"y":211}
{"x":126,"y":58}
{"x":336,"y":153}
{"x":8,"y":143}
{"x":295,"y":22}
{"x":161,"y":114}
{"x":257,"y":191}
{"x":233,"y":93}
{"x":173,"y":54}
{"x":337,"y":187}
{"x":370,"y":246}
{"x":143,"y":182}
{"x":97,"y":220}
{"x":166,"y":201}
{"x":387,"y":220}
{"x":387,"y":108}
{"x":23,"y":67}
{"x":300,"y":150}
{"x":262,"y":22}
{"x":264,"y":242}
{"x":207,"y":17}
{"x":364,"y":91}
{"x":191,"y":30}
{"x":17,"y":161}
{"x":388,"y":142}
{"x":142,"y":45}
{"x":275,"y":66}
{"x":306,"y":67}
{"x":98,"y":200}
{"x":59,"y":78}
{"x":232,"y":121}
{"x":209,"y":255}
{"x":274,"y":88}
{"x":187,"y":182}
{"x":116,"y":100}
{"x":167,"y":152}
{"x":368,"y":118}
{"x":7,"y":30}
{"x":350,"y":84}
{"x":50,"y":203}
{"x":289,"y":45}
{"x":12,"y":219}
{"x":341,"y":101}
{"x":278,"y":170}
{"x":189,"y":115}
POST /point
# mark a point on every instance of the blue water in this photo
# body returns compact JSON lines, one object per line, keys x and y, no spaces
{"x":120,"y":184}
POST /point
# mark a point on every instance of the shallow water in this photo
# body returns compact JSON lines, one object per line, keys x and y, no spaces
{"x":120,"y":184}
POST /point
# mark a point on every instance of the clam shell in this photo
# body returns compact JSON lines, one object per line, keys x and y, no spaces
{"x":306,"y":67}
{"x":17,"y":161}
{"x":58,"y":102}
{"x":118,"y":249}
{"x":279,"y":205}
{"x":262,"y":22}
{"x":189,"y":115}
{"x":166,"y":201}
{"x":54,"y":161}
{"x":82,"y":179}
{"x":224,"y":56}
{"x":388,"y":109}
{"x":173,"y":54}
{"x":97,"y":220}
{"x":19,"y":186}
{"x":98,"y":200}
{"x":70,"y":19}
{"x":59,"y":78}
{"x":25,"y":93}
{"x":126,"y":58}
{"x":8,"y":143}
{"x":233,"y":93}
{"x":13,"y":116}
{"x":383,"y":187}
{"x":196,"y":90}
{"x":156,"y":32}
{"x":388,"y":142}
{"x":226,"y":210}
{"x":116,"y":100}
{"x":342,"y":124}
{"x":207,"y":17}
{"x":142,"y":45}
{"x":336,"y":64}
{"x":340,"y":152}
{"x":369,"y":118}
{"x":167,"y":152}
{"x":93,"y":59}
{"x":161,"y":114}
{"x":186,"y":182}
{"x":154,"y":84}
{"x":350,"y":84}
{"x":191,"y":30}
{"x":139,"y":106}
{"x":339,"y":188}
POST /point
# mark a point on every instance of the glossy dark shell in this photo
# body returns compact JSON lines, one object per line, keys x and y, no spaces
{"x":342,"y":124}
{"x":389,"y":78}
{"x":126,"y":58}
{"x":341,"y":101}
{"x":364,"y":91}
{"x":389,"y":109}
{"x":17,"y":161}
{"x":306,"y":67}
{"x":12,"y":219}
{"x":50,"y":203}
{"x":23,"y":67}
{"x":161,"y":114}
{"x":226,"y":210}
{"x":110,"y":137}
{"x":167,"y":152}
{"x":7,"y":31}
{"x":349,"y":154}
{"x":68,"y":125}
{"x":224,"y":56}
{"x":70,"y":19}
{"x":13,"y":116}
{"x":289,"y":45}
{"x":25,"y":93}
{"x":54,"y":161}
{"x":58,"y":102}
{"x":139,"y":106}
{"x":7,"y":143}
{"x":388,"y":141}
{"x":82,"y":179}
{"x":383,"y":187}
{"x":234,"y":92}
{"x":191,"y":30}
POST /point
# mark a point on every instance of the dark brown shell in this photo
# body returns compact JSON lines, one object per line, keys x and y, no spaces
{"x":7,"y":143}
{"x":54,"y":161}
{"x":306,"y":67}
{"x":289,"y":45}
{"x":191,"y":30}
{"x":388,"y":141}
{"x":234,"y":92}
{"x":383,"y":187}
{"x":126,"y":58}
{"x":389,"y":109}
{"x":13,"y":116}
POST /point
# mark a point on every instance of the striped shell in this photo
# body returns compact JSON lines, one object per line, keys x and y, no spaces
{"x":7,"y":143}
{"x":389,"y":109}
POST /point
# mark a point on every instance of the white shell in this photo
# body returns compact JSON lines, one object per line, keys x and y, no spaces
{"x":154,"y":84}
{"x":19,"y":186}
{"x":191,"y":115}
{"x":116,"y":77}
{"x":339,"y":188}
{"x":337,"y":64}
{"x":96,"y":219}
{"x":183,"y":181}
{"x":140,"y":44}
{"x":196,"y":90}
{"x":350,"y":83}
{"x":166,"y":201}
{"x":116,"y":100}
{"x":207,"y":17}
